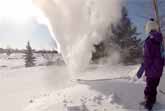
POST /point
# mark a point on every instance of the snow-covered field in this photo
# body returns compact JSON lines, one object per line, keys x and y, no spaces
{"x":104,"y":92}
{"x":52,"y":88}
{"x":19,"y":85}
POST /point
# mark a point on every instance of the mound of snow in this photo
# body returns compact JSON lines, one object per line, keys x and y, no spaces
{"x":78,"y":98}
{"x":96,"y":95}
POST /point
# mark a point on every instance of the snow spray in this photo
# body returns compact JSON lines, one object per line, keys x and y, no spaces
{"x":78,"y":25}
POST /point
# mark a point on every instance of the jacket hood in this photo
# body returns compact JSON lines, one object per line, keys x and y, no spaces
{"x":157,"y":36}
{"x":151,"y":25}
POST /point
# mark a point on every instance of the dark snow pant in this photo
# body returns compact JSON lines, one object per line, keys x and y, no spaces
{"x":150,"y":91}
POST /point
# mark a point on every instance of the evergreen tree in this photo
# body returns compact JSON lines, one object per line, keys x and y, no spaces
{"x":124,"y":40}
{"x":125,"y":37}
{"x":29,"y":58}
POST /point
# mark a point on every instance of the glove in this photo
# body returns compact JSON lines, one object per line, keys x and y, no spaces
{"x":140,"y":72}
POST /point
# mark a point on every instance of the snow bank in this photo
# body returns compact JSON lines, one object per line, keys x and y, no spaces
{"x":96,"y":95}
{"x":78,"y":98}
{"x":104,"y":94}
{"x":94,"y":72}
{"x":20,"y":86}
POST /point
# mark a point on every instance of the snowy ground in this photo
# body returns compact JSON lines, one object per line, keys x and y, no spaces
{"x":102,"y":93}
{"x":19,"y":84}
{"x":51,"y":88}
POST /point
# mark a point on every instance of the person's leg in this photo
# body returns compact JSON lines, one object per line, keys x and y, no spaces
{"x":150,"y":91}
{"x":155,"y":84}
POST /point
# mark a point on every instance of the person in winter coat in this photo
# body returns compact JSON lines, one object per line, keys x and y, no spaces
{"x":153,"y":62}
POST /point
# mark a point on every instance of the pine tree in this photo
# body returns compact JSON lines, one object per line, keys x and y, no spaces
{"x":29,"y":58}
{"x":125,"y":37}
{"x":124,"y":40}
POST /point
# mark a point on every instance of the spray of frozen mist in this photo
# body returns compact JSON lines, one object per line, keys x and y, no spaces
{"x":79,"y":24}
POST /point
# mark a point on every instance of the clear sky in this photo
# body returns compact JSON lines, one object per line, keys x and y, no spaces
{"x":142,"y":10}
{"x":18,"y":23}
{"x":16,"y":35}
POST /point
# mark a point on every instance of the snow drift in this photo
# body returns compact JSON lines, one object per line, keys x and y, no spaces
{"x":79,"y":24}
{"x":98,"y":95}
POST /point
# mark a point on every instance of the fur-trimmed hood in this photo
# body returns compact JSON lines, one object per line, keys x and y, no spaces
{"x":150,"y":26}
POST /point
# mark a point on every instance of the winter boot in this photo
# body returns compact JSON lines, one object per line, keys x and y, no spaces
{"x":142,"y":103}
{"x":148,"y":106}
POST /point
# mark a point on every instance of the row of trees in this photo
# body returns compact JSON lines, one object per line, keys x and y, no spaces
{"x":29,"y":57}
{"x":124,"y":40}
{"x":9,"y":51}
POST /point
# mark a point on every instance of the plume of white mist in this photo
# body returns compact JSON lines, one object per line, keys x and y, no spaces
{"x":79,"y":24}
{"x":111,"y":60}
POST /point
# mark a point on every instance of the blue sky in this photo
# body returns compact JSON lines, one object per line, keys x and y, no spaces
{"x":139,"y":14}
{"x":141,"y":10}
{"x":16,"y":35}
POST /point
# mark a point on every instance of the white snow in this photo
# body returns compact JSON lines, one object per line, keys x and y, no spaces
{"x":53,"y":88}
{"x":77,"y":25}
{"x":88,"y":94}
{"x":19,"y":84}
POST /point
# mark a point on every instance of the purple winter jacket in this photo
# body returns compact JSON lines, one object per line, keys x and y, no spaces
{"x":153,"y":61}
